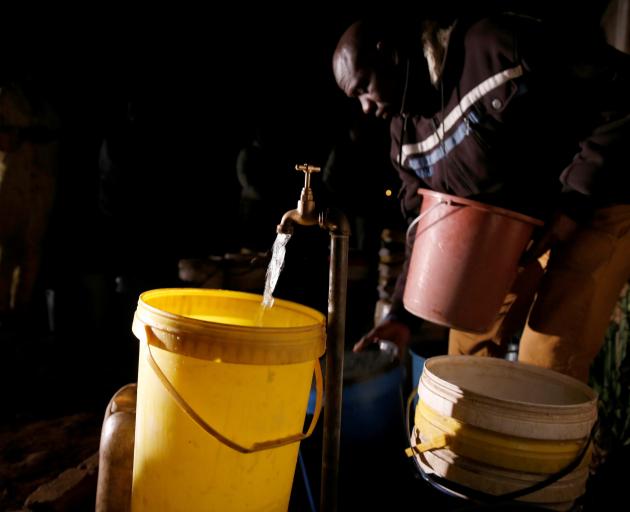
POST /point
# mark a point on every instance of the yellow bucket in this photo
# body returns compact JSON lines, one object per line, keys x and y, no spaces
{"x":222,"y":397}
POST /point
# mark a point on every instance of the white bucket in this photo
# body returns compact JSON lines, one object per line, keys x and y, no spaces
{"x":503,"y":426}
{"x":509,"y":397}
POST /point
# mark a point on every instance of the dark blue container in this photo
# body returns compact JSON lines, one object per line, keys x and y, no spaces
{"x":417,"y":366}
{"x":372,"y":406}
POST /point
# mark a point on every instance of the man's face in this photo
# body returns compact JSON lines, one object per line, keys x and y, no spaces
{"x":372,"y":83}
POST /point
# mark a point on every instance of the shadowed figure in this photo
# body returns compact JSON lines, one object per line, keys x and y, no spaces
{"x":28,"y":170}
{"x":506,"y":110}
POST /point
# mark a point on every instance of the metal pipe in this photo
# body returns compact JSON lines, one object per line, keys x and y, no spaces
{"x":337,"y":224}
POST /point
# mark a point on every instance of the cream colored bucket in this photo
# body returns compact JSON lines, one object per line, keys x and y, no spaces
{"x":499,"y":427}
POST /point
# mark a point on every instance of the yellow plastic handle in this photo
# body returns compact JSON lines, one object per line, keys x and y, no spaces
{"x":256,"y":447}
{"x":434,"y":443}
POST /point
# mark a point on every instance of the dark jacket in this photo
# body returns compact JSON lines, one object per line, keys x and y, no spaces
{"x":529,"y":121}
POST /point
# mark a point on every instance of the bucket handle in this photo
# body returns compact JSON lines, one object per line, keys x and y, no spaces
{"x":255,"y":447}
{"x":453,"y":202}
{"x":434,"y":443}
{"x":419,"y":217}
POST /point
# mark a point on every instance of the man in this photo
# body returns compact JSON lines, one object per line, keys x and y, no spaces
{"x":501,"y":111}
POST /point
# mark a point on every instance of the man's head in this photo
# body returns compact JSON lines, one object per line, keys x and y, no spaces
{"x":367,"y":66}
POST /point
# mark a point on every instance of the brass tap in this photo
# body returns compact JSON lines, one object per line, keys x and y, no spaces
{"x":305,"y":214}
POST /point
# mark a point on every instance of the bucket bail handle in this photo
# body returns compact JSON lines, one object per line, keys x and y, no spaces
{"x":192,"y":414}
{"x":434,"y":443}
{"x":419,"y":217}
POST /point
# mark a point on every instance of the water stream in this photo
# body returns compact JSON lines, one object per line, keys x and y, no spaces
{"x":278,"y":252}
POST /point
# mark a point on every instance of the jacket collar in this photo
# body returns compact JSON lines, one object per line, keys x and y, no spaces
{"x":435,"y":40}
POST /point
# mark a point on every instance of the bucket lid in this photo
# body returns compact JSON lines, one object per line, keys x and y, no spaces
{"x":510,"y":382}
{"x":229,"y":326}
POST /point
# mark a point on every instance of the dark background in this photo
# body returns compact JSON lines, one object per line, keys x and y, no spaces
{"x":198,"y":81}
{"x":201,"y":81}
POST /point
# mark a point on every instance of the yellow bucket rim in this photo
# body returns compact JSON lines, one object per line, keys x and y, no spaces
{"x":222,"y":342}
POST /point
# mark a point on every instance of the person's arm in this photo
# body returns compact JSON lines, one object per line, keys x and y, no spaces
{"x":595,"y":177}
{"x":598,"y":174}
{"x":398,"y":325}
{"x":598,"y":77}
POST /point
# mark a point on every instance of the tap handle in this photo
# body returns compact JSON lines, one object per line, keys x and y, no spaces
{"x":307,"y":169}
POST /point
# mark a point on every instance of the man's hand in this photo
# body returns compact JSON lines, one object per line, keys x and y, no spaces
{"x":389,"y":330}
{"x":559,"y":229}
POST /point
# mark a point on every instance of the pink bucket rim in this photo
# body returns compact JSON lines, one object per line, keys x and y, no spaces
{"x":462,"y":201}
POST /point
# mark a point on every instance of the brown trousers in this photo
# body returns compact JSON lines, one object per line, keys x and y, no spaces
{"x":564,"y":301}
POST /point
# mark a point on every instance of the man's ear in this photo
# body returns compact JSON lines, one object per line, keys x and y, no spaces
{"x":387,"y":52}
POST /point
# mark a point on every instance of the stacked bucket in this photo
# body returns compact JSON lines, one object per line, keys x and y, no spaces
{"x":495,"y":427}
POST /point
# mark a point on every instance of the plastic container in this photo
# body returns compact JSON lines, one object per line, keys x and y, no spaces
{"x":508,"y":397}
{"x":372,"y":399}
{"x":465,"y":257}
{"x":432,"y":340}
{"x":417,"y":367}
{"x":222,"y":396}
{"x":492,"y":425}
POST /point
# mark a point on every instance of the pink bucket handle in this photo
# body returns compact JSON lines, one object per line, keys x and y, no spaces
{"x":468,"y":203}
{"x":419,"y":218}
{"x":488,"y":208}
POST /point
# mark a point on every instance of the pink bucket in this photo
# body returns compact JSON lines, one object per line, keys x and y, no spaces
{"x":464,"y":260}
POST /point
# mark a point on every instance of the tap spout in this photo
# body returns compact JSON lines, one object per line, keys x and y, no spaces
{"x":301,"y":215}
{"x":306,"y":212}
